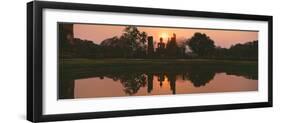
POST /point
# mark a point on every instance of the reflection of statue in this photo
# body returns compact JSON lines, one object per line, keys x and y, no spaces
{"x":149,"y":82}
{"x":172,"y":80}
{"x":199,"y":77}
{"x":161,"y":78}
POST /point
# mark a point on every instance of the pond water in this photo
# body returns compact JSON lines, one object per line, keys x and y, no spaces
{"x":160,"y":84}
{"x":171,"y":80}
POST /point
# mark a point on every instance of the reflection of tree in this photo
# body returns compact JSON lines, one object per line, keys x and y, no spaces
{"x":247,"y":75}
{"x":131,"y":81}
{"x":66,"y":90}
{"x":200,"y":77}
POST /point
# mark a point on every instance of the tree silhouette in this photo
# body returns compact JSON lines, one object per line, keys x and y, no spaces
{"x":247,"y":50}
{"x":114,"y":47}
{"x":132,"y":43}
{"x":135,"y":39}
{"x":201,"y":44}
{"x":130,"y":36}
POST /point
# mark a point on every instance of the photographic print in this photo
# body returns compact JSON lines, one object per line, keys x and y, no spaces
{"x":88,"y":61}
{"x":106,"y":60}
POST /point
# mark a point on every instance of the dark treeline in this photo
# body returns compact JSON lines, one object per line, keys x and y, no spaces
{"x":136,"y":44}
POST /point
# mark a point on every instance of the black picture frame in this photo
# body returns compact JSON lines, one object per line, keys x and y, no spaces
{"x":34,"y":60}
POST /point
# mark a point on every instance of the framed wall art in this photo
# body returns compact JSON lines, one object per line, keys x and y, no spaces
{"x":95,"y":61}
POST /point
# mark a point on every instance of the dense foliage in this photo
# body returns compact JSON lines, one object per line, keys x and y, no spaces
{"x":201,"y":44}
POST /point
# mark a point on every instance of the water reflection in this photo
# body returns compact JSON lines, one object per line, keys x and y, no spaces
{"x":157,"y":82}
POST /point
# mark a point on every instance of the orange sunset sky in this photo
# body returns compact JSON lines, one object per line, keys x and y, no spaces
{"x":222,"y":38}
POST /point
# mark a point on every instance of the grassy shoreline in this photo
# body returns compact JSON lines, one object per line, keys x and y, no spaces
{"x":152,"y":61}
{"x":71,"y":65}
{"x":81,"y":68}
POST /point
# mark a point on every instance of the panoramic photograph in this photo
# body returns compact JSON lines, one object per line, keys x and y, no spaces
{"x":105,"y":60}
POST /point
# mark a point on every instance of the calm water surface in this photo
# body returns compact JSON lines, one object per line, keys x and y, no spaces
{"x":160,"y":84}
{"x":142,"y":80}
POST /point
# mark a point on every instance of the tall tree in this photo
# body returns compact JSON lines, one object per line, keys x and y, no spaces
{"x":201,"y":44}
{"x":135,"y":39}
{"x":130,"y":36}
